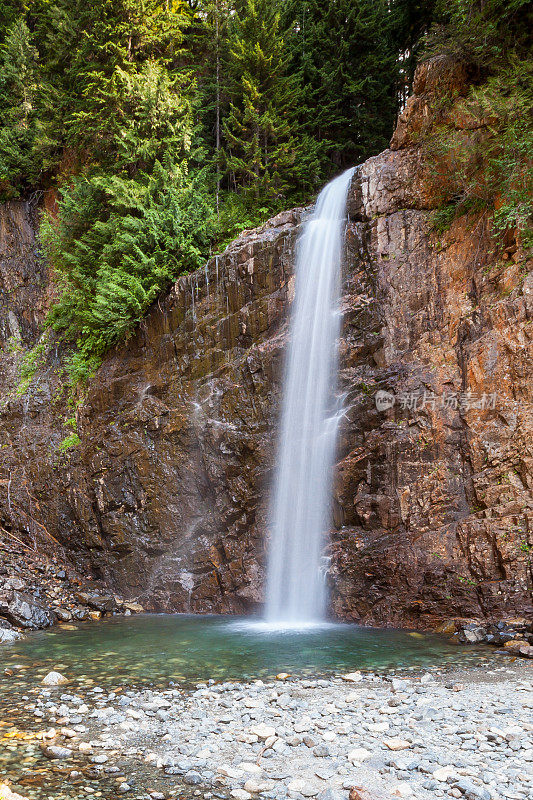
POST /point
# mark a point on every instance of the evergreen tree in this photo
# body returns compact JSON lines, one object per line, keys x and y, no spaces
{"x":91,"y":50}
{"x":207,"y":42}
{"x":412,"y":19}
{"x":115,"y":245}
{"x":345,"y":55}
{"x":10,"y":12}
{"x":264,"y":156}
{"x":132,"y":214}
{"x":20,"y":87}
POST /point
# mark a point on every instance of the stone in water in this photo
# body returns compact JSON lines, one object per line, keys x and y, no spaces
{"x":54,"y":679}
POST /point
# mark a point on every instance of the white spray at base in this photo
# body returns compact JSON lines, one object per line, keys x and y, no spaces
{"x":295,"y":592}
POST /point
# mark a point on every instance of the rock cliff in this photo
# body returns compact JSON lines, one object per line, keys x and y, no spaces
{"x":166,"y":497}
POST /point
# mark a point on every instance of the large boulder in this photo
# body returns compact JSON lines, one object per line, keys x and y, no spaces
{"x":22,"y":610}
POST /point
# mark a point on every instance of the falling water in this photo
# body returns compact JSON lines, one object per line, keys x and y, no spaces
{"x":295,"y":588}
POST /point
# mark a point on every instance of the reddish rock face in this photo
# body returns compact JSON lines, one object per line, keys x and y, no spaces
{"x":166,"y":498}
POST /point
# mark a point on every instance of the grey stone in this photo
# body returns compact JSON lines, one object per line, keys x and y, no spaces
{"x":23,"y":611}
{"x":53,"y":751}
{"x":7,"y":635}
{"x":192,"y":778}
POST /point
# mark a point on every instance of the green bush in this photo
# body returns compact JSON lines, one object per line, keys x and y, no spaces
{"x":32,"y":360}
{"x":115,"y":245}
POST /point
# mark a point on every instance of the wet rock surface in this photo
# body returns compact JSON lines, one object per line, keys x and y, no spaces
{"x":166,"y":498}
{"x":515,"y":637}
{"x":37,"y":591}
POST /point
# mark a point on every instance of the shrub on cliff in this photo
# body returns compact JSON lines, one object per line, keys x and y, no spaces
{"x":115,"y":245}
{"x":484,"y":34}
{"x":487,"y":167}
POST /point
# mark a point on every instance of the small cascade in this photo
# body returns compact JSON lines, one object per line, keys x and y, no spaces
{"x":295,"y":592}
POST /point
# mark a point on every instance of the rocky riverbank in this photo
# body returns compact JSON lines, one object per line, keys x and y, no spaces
{"x":357,"y":736}
{"x":516,"y":636}
{"x":37,"y":591}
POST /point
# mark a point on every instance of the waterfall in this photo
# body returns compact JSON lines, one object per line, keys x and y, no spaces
{"x":295,"y":590}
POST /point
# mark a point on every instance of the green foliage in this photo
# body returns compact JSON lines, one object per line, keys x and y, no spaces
{"x":32,"y":360}
{"x":489,"y":168}
{"x":481,"y":33}
{"x":14,"y":344}
{"x":19,"y":88}
{"x":344,"y":56}
{"x":263,"y":153}
{"x":443,"y":217}
{"x":238,"y":215}
{"x":116,"y":244}
{"x":353,"y":59}
{"x":113,"y":120}
{"x":72,"y":440}
{"x":68,"y":443}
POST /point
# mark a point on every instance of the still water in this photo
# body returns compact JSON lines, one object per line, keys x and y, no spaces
{"x":191,"y":648}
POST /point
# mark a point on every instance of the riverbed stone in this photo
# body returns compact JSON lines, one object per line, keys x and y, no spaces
{"x":240,"y":794}
{"x":55,"y":751}
{"x":54,"y":679}
{"x":358,"y":755}
{"x":7,"y":635}
{"x":263,"y":731}
{"x":396,"y":743}
{"x":22,"y":610}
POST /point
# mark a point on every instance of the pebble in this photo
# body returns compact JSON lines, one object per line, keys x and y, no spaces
{"x":306,"y":739}
{"x":54,"y":751}
{"x":443,"y":773}
{"x":353,"y":677}
{"x":263,"y":731}
{"x":250,"y":769}
{"x":241,"y":794}
{"x":358,"y":755}
{"x":396,"y":744}
{"x":54,"y":679}
{"x":403,"y":790}
{"x":192,"y":778}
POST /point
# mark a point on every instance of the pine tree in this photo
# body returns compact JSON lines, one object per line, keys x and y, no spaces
{"x":206,"y":41}
{"x":90,"y":50}
{"x":345,"y":56}
{"x":264,"y":157}
{"x":20,"y":87}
